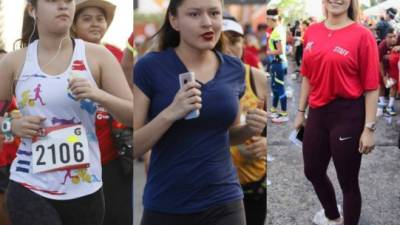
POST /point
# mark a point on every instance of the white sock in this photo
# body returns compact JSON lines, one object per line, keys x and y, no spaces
{"x":381,"y":99}
{"x":391,"y":102}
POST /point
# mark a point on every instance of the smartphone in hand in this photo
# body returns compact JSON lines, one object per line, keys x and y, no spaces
{"x":185,"y":78}
{"x":296,"y":137}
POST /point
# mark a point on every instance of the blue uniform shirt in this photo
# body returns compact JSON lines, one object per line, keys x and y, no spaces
{"x":190,"y":166}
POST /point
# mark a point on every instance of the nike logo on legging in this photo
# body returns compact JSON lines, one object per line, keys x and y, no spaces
{"x":343,"y":139}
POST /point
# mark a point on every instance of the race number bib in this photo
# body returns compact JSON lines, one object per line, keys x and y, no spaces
{"x":63,"y":147}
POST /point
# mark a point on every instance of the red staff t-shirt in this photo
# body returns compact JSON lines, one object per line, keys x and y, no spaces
{"x":341,"y":63}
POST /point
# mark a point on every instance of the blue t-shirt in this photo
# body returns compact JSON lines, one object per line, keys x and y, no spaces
{"x":190,"y":166}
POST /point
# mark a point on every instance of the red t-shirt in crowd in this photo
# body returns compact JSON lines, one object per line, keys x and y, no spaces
{"x":250,"y":56}
{"x":9,"y":151}
{"x":393,"y":69}
{"x":338,"y":66}
{"x":103,"y":125}
{"x":115,"y":51}
{"x":385,"y":50}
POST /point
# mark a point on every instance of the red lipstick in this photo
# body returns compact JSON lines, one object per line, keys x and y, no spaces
{"x":208,"y":36}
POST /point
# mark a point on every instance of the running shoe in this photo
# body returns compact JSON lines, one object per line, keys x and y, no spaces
{"x":390,"y":111}
{"x":282,"y":118}
{"x":382,"y":104}
{"x":320,"y":218}
{"x":273,"y":113}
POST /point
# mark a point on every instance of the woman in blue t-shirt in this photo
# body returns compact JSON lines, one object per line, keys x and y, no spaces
{"x":191,"y":179}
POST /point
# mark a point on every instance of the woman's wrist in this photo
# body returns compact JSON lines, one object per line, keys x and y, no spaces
{"x":100,"y":96}
{"x":301,"y":110}
{"x":167,"y":115}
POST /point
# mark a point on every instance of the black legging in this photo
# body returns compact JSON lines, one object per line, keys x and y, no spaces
{"x":26,"y":207}
{"x":333,"y":131}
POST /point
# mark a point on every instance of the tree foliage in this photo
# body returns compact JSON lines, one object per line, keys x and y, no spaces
{"x":292,"y":10}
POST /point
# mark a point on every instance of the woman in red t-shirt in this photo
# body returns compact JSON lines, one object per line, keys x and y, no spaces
{"x":92,"y":18}
{"x":341,"y":80}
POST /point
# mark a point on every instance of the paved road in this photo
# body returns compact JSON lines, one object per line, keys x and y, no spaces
{"x":291,"y":199}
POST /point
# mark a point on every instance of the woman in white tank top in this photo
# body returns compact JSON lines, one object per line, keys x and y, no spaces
{"x":58,"y":82}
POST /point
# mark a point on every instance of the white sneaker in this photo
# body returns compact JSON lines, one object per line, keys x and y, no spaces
{"x":320,"y":218}
{"x":280,"y":119}
{"x":270,"y":158}
{"x":268,"y":182}
{"x":390,"y":111}
{"x":272,"y":115}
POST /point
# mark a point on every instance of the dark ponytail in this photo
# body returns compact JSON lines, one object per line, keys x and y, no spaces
{"x":27,"y":27}
{"x":168,"y":37}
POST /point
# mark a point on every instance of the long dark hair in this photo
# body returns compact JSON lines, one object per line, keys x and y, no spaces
{"x":28,"y":25}
{"x":168,"y":37}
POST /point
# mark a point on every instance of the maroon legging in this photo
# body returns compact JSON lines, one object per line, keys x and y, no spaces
{"x":333,"y":131}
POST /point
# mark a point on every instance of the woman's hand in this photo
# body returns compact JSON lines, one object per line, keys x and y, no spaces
{"x":81,"y":88}
{"x":258,"y":147}
{"x":299,"y":121}
{"x":256,"y":121}
{"x":187,"y":99}
{"x":367,"y":142}
{"x":27,"y":126}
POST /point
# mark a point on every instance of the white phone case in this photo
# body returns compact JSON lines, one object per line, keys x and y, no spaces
{"x":294,"y":140}
{"x":183,"y":79}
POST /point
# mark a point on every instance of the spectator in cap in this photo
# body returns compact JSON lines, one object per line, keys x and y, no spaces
{"x":392,"y":18}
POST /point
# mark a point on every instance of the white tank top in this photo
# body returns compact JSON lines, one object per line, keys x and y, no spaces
{"x":40,"y":94}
